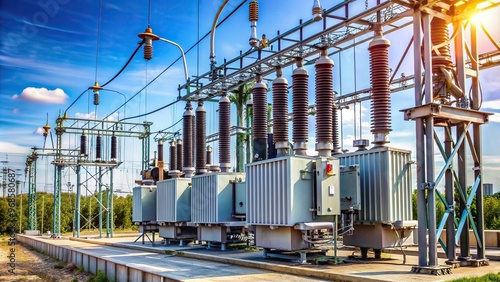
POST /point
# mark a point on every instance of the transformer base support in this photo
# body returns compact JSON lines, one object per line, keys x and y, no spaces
{"x":300,"y":256}
{"x":453,"y":263}
{"x":433,"y":270}
{"x":473,"y":262}
{"x":145,"y":228}
{"x":178,"y":232}
{"x":221,"y":234}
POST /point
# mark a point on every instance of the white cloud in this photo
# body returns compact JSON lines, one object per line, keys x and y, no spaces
{"x":90,"y":115}
{"x":12,"y":148}
{"x":494,"y":104}
{"x":113,"y":117}
{"x":38,"y":131}
{"x":42,"y":95}
{"x":495,"y":118}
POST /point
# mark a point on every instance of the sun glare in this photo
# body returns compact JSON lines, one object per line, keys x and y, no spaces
{"x":478,"y":18}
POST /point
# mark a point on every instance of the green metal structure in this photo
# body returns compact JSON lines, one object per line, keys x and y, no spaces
{"x":32,"y":215}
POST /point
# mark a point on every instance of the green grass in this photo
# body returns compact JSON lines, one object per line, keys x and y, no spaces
{"x":79,"y":270}
{"x":490,"y":277}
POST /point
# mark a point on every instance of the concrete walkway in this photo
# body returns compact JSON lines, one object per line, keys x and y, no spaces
{"x":196,"y":263}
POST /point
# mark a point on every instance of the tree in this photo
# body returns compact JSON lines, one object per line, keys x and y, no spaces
{"x":239,"y":97}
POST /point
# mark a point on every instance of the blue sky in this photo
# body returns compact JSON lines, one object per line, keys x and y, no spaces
{"x":48,"y":57}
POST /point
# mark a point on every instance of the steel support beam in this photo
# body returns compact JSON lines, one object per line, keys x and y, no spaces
{"x":32,"y":213}
{"x":77,"y":201}
{"x":420,"y":151}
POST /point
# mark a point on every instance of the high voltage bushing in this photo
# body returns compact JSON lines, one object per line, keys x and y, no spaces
{"x":280,"y":113}
{"x":114,"y":148}
{"x":441,"y":58}
{"x":300,"y":115}
{"x":224,"y":133}
{"x":83,"y":145}
{"x":201,"y":135}
{"x":160,"y":151}
{"x":324,"y":103}
{"x":179,"y":155}
{"x":193,"y":138}
{"x":259,"y":126}
{"x":187,"y":135}
{"x":380,"y":91}
{"x":209,"y":155}
{"x":253,"y":16}
{"x":440,"y":36}
{"x":173,"y":156}
{"x":98,"y":147}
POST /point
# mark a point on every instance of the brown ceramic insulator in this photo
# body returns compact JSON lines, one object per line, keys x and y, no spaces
{"x":187,"y":135}
{"x":253,"y":9}
{"x":224,"y":130}
{"x":280,"y":110}
{"x":201,"y":135}
{"x":324,"y":101}
{"x":114,"y":148}
{"x":179,"y":155}
{"x":380,"y":102}
{"x":300,"y":105}
{"x":160,"y":151}
{"x":335,"y":128}
{"x":209,"y":155}
{"x":98,"y":147}
{"x":83,"y":145}
{"x":259,"y":111}
{"x":96,"y":98}
{"x":148,"y":52}
{"x":173,"y":156}
{"x":440,"y":35}
{"x":193,"y":138}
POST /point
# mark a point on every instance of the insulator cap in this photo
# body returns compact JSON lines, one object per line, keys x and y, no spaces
{"x":95,"y":87}
{"x":148,"y":34}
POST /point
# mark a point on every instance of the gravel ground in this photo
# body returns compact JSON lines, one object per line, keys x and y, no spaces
{"x":30,"y":265}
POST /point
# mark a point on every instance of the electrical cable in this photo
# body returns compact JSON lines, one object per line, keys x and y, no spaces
{"x":98,"y":39}
{"x":126,"y":64}
{"x":152,"y":112}
{"x":489,"y":36}
{"x":175,"y":61}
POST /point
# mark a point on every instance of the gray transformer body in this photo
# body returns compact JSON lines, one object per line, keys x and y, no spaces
{"x":212,"y":197}
{"x":385,"y":178}
{"x":280,"y":192}
{"x":173,"y":213}
{"x":291,"y":197}
{"x":385,"y":182}
{"x":173,"y":200}
{"x":144,"y":204}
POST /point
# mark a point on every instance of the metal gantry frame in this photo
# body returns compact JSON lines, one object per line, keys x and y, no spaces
{"x":72,"y":158}
{"x":466,"y":123}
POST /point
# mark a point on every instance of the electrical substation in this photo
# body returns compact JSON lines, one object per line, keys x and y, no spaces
{"x":285,"y":201}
